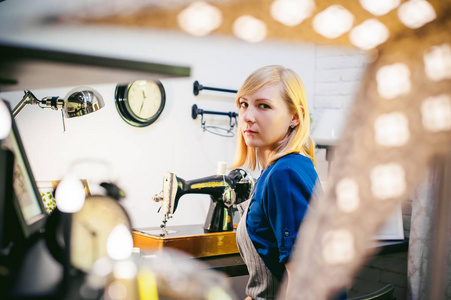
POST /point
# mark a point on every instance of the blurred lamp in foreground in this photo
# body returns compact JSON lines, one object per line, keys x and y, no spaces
{"x":5,"y":120}
{"x":79,"y":101}
{"x":120,"y":243}
{"x":70,"y":194}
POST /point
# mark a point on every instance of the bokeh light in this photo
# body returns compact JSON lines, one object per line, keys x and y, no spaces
{"x":369,"y":34}
{"x":347,"y":191}
{"x":393,"y":80}
{"x":437,"y":62}
{"x":250,"y":29}
{"x":392,"y":129}
{"x":5,"y":120}
{"x":70,"y":194}
{"x":333,"y":21}
{"x":199,"y":18}
{"x":120,"y":243}
{"x":416,"y":13}
{"x":292,"y":12}
{"x":388,"y":181}
{"x":379,"y":7}
{"x":436,"y":113}
{"x":338,"y":246}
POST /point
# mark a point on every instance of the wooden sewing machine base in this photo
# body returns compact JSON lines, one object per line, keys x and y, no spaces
{"x":188,"y":238}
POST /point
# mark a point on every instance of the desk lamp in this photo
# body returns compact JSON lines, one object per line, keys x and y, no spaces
{"x":79,"y":101}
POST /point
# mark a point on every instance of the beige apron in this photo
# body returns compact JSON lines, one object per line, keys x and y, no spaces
{"x":262,"y":284}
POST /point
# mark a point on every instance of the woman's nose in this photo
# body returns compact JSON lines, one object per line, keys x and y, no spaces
{"x":248,"y":115}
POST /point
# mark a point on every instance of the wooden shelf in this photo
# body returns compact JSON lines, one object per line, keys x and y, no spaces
{"x":24,"y":67}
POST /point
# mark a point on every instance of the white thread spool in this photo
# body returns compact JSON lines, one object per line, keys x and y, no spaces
{"x":222,"y":167}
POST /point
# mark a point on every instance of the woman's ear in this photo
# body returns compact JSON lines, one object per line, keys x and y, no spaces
{"x":295,"y":120}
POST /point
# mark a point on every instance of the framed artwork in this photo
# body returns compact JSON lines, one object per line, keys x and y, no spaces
{"x":26,"y":198}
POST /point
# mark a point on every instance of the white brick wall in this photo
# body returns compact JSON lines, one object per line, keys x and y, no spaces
{"x":338,"y":73}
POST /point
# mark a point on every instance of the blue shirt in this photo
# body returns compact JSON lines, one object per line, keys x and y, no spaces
{"x":278,"y":205}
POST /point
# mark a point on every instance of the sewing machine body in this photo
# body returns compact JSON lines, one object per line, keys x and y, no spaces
{"x":225,"y":192}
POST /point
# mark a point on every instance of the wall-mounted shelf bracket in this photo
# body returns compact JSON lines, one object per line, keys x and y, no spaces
{"x":195,"y":111}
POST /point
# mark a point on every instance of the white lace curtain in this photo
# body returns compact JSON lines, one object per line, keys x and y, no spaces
{"x":429,"y":259}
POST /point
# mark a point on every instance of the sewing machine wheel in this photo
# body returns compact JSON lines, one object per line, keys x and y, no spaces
{"x":244,"y":184}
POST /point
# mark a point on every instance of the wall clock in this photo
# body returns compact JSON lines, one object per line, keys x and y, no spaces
{"x":141,"y":102}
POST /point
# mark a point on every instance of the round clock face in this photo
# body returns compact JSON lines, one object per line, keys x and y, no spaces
{"x":91,"y":227}
{"x":141,"y":102}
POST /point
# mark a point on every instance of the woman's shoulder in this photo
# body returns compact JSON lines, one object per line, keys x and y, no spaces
{"x":292,"y":165}
{"x":293,"y":161}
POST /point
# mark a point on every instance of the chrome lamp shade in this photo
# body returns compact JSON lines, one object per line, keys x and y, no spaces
{"x":81,"y":101}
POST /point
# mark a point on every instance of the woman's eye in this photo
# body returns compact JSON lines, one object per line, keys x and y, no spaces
{"x":243,"y":104}
{"x":265,"y":106}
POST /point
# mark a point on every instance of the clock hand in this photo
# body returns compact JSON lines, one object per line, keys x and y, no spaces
{"x":140,"y":110}
{"x":142,"y":104}
{"x":93,"y":234}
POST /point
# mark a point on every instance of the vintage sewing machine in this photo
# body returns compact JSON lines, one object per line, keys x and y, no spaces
{"x":225,"y":192}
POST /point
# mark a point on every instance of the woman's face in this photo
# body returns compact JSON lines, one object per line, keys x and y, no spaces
{"x":264,"y":117}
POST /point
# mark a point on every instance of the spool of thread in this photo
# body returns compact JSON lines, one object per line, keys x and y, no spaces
{"x":222,"y":167}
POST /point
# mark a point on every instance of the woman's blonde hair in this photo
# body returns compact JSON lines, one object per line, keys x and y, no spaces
{"x":293,"y":93}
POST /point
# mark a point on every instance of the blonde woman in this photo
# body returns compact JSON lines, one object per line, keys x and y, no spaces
{"x":273,"y":135}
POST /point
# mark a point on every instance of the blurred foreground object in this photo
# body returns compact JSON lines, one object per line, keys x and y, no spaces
{"x":176,"y":276}
{"x":399,"y":126}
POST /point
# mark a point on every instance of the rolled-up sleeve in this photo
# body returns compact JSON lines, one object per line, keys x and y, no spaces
{"x":286,"y":203}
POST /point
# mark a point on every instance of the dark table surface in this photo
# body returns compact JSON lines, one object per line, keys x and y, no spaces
{"x":233,"y":264}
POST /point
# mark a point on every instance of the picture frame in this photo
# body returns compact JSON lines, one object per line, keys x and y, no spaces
{"x":26,"y":201}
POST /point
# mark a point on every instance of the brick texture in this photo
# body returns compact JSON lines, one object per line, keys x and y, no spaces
{"x":338,"y":73}
{"x":380,"y":271}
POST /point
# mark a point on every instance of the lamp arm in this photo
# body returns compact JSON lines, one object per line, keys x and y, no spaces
{"x":28,"y":98}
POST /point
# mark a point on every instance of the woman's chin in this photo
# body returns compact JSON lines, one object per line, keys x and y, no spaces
{"x":252,"y":144}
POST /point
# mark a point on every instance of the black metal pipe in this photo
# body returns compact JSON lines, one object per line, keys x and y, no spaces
{"x":198,"y":111}
{"x":198,"y":87}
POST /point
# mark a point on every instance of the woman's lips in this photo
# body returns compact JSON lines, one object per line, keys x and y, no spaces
{"x":249,"y":132}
